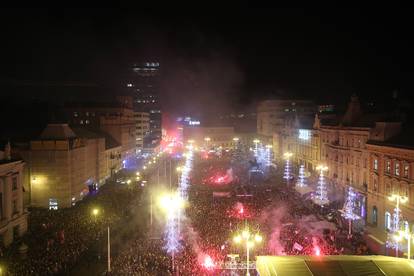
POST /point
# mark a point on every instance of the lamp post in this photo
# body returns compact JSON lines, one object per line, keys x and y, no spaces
{"x":396,"y":227}
{"x":248,"y":240}
{"x":95,"y":212}
{"x":408,"y":236}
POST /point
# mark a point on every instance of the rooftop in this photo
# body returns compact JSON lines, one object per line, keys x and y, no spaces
{"x":57,"y":132}
{"x":333,"y":265}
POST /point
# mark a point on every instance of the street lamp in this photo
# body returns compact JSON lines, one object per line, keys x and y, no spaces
{"x":408,"y":236}
{"x":95,"y":213}
{"x":398,"y":199}
{"x":248,"y":239}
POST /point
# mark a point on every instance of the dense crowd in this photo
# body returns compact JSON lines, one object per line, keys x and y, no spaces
{"x":213,"y":221}
{"x":60,"y":238}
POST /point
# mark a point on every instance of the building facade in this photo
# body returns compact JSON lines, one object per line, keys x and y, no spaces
{"x":272,"y":114}
{"x":13,"y":223}
{"x":142,"y":124}
{"x":143,"y":85}
{"x":210,"y":137}
{"x":64,"y":166}
{"x":115,"y":119}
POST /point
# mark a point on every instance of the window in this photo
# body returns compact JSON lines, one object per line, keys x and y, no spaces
{"x":53,"y":204}
{"x":397,"y":169}
{"x":387,"y":221}
{"x":375,"y":164}
{"x":75,"y":114}
{"x":388,"y":166}
{"x":14,"y":183}
{"x":406,"y":170}
{"x":374,"y":215}
{"x":14,"y":206}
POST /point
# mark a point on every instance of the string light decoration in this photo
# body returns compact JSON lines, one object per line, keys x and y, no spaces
{"x":349,"y":208}
{"x":321,"y":193}
{"x":301,"y":183}
{"x":287,"y":173}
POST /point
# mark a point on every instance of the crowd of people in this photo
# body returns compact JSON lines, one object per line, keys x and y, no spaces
{"x":58,"y":239}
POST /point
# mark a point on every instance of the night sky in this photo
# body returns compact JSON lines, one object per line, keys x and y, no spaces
{"x":215,"y":56}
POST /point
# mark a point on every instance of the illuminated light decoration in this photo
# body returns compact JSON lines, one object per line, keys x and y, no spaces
{"x":194,"y":123}
{"x":301,"y":177}
{"x":392,"y":240}
{"x":304,"y":134}
{"x":287,"y":173}
{"x":348,"y":211}
{"x":321,"y":193}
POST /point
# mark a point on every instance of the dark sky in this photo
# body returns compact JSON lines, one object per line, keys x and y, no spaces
{"x":216,"y":56}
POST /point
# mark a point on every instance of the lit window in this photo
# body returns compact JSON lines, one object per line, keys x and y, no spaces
{"x":87,"y":114}
{"x":375,"y":164}
{"x":81,"y":122}
{"x":388,"y":167}
{"x":75,"y":114}
{"x":387,"y":221}
{"x":86,"y":121}
{"x":397,"y":169}
{"x":406,"y":170}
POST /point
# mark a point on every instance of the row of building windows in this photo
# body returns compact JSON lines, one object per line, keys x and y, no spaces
{"x":87,"y":114}
{"x":397,"y":169}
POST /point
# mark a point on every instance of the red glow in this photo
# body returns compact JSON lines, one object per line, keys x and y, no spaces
{"x":208,"y":262}
{"x":317,"y":251}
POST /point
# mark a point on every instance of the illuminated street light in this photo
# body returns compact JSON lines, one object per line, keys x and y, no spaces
{"x":179,"y":169}
{"x":236,"y":139}
{"x":207,"y":139}
{"x":248,"y":239}
{"x":95,"y":213}
{"x":408,"y":236}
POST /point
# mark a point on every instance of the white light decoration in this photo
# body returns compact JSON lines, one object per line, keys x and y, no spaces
{"x":287,"y":173}
{"x":348,"y":211}
{"x":301,"y":177}
{"x":321,"y":194}
{"x":304,"y":134}
{"x":392,"y":237}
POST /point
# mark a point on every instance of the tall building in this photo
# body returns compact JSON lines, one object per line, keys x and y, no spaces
{"x":272,"y":114}
{"x":144,"y":86}
{"x":142,"y":124}
{"x":12,"y":212}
